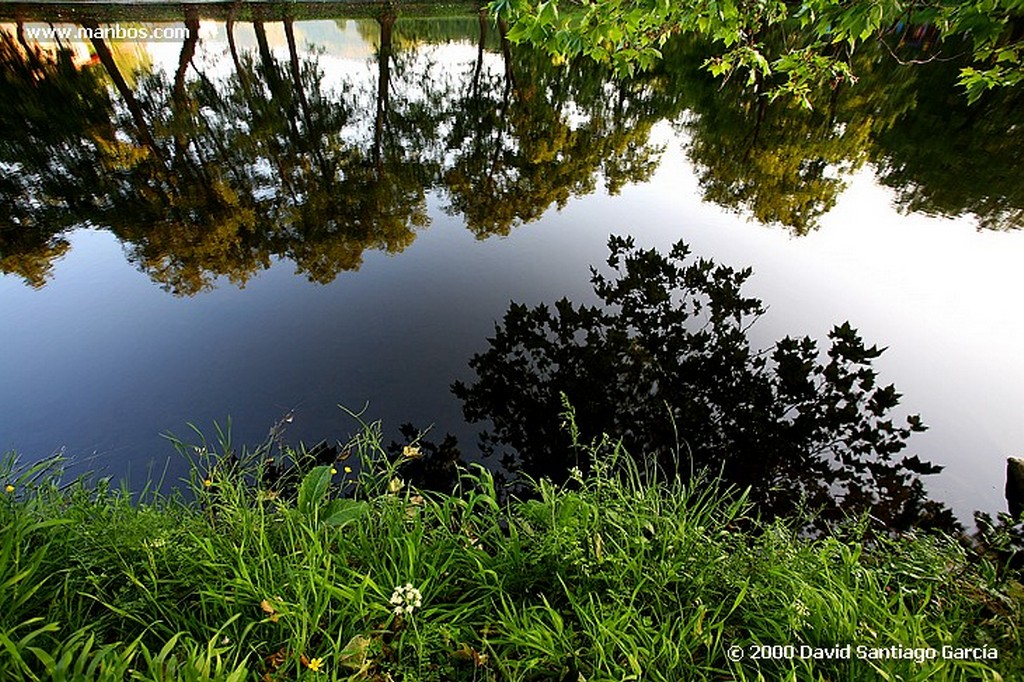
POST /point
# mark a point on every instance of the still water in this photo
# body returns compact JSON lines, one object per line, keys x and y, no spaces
{"x":337,"y":212}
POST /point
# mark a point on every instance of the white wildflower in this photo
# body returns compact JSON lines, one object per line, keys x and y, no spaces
{"x":405,"y":599}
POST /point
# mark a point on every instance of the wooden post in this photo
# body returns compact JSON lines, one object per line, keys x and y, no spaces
{"x":1015,"y":486}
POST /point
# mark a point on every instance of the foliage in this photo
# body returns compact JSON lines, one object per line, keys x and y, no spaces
{"x":1002,"y":538}
{"x":210,"y":177}
{"x":818,"y":36}
{"x":777,"y":163}
{"x":47,"y":172}
{"x":611,"y":575}
{"x":206,"y":177}
{"x":946,"y":157}
{"x":665,"y":363}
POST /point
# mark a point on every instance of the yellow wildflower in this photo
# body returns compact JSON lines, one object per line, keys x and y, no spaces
{"x":9,"y":488}
{"x":411,"y":451}
{"x":348,"y":470}
{"x":315,"y":664}
{"x":333,"y":471}
{"x":207,"y":482}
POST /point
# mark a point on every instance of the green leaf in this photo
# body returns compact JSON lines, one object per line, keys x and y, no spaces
{"x":340,"y":512}
{"x":313,"y":489}
{"x":718,"y":67}
{"x":547,"y":13}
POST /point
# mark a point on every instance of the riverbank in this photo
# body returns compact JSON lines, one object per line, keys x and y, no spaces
{"x":605,"y":577}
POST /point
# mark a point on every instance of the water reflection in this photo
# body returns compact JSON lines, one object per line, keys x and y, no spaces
{"x":203,"y":176}
{"x":781,"y":164}
{"x":665,"y":363}
{"x":204,"y":179}
{"x":534,"y":135}
{"x":947,"y":158}
{"x":244,"y":152}
{"x":787,"y":165}
{"x":48,"y":174}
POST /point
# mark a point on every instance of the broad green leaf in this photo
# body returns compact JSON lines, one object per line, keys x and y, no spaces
{"x":341,"y":512}
{"x":313,"y":489}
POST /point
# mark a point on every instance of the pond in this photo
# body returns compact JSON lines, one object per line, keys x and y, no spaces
{"x":280,"y":214}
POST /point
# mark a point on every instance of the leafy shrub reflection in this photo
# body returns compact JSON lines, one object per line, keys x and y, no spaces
{"x":666,"y":365}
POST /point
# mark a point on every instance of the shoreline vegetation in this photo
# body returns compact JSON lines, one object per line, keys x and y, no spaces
{"x":346,"y":571}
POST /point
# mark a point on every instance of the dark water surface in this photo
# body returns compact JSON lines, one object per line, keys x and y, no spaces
{"x":341,"y":218}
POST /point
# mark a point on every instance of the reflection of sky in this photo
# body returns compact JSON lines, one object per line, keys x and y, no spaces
{"x":340,"y":44}
{"x":941,"y":295}
{"x":102,"y":361}
{"x":344,"y":52}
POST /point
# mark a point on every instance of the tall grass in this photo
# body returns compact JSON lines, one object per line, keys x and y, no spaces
{"x":616,"y":576}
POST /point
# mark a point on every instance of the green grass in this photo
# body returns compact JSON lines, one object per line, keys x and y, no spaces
{"x":616,"y":577}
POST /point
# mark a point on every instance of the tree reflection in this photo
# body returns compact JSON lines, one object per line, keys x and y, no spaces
{"x":773,"y":160}
{"x":945,"y":157}
{"x":782,"y":164}
{"x":259,"y":166}
{"x":49,"y":181}
{"x":665,"y":364}
{"x":181,"y":210}
{"x":203,"y":178}
{"x":206,"y":177}
{"x":533,"y":135}
{"x":380,"y":198}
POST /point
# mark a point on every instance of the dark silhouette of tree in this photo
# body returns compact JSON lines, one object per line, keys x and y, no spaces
{"x":666,"y":365}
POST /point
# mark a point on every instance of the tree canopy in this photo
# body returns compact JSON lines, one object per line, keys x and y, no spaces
{"x":794,"y":46}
